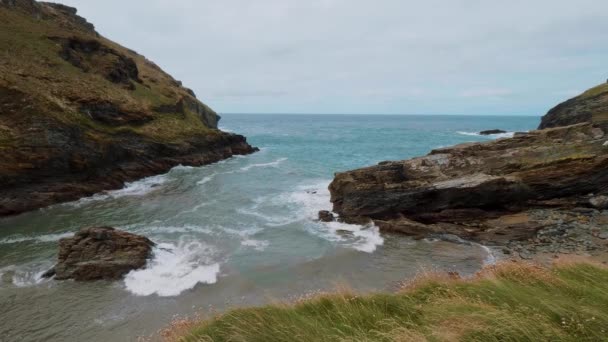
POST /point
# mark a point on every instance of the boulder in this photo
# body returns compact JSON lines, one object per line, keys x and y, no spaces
{"x":326,"y":216}
{"x":100,"y":253}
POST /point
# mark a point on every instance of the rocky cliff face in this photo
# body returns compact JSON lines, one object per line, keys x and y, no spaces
{"x":591,"y":106}
{"x":80,"y":114}
{"x":495,"y":192}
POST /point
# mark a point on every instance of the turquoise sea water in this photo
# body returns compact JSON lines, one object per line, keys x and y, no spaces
{"x":239,"y":232}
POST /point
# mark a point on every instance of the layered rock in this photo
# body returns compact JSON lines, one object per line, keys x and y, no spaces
{"x":474,"y":190}
{"x":80,"y":114}
{"x":100,"y":253}
{"x":590,"y":106}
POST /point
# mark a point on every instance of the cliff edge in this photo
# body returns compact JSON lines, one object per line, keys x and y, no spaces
{"x":80,"y":114}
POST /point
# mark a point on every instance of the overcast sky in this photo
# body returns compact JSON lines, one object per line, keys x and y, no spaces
{"x":362,"y":56}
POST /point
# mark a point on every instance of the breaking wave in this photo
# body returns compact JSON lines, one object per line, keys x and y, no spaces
{"x":174,"y":269}
{"x":495,"y":136}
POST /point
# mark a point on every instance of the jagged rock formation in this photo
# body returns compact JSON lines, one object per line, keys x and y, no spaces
{"x":80,"y":114}
{"x":495,"y":191}
{"x":591,"y":106}
{"x":100,"y":253}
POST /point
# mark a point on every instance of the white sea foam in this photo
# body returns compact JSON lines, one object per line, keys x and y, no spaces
{"x":258,"y":245}
{"x":35,"y":238}
{"x":270,"y":164}
{"x":366,"y":238}
{"x":137,"y":188}
{"x":24,"y":275}
{"x":174,"y":269}
{"x":490,"y":259}
{"x":310,"y":199}
{"x":206,"y":180}
{"x":495,"y":136}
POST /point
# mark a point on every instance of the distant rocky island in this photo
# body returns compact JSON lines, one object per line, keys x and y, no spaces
{"x":81,"y":114}
{"x":545,"y":191}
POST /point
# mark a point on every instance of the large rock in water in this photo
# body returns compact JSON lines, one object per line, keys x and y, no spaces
{"x":80,"y":114}
{"x":101,"y":253}
{"x":464,"y":189}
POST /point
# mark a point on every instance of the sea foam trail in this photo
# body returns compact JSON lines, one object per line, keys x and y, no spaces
{"x":174,"y":269}
{"x":137,"y":188}
{"x":495,"y":136}
{"x":270,"y":164}
{"x":46,"y":238}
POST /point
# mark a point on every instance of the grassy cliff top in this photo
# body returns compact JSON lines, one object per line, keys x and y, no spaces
{"x":54,"y":61}
{"x":507,"y":302}
{"x":590,"y":106}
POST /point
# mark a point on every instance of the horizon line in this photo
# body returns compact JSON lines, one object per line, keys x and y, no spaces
{"x":378,"y":114}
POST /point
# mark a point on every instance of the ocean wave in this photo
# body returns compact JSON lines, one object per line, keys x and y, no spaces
{"x":46,"y":238}
{"x":138,"y":188}
{"x":206,"y":179}
{"x":495,"y":136}
{"x":24,"y":275}
{"x":174,"y":269}
{"x":161,"y":229}
{"x":364,"y":238}
{"x":258,"y":245}
{"x":270,"y":164}
{"x":309,"y":199}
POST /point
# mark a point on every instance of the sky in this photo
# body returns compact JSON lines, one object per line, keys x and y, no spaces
{"x":478,"y":57}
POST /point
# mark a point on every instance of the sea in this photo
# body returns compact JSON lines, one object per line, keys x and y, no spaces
{"x":241,"y":232}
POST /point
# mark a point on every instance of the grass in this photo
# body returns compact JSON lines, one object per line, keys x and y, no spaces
{"x":597,"y":90}
{"x":507,"y":302}
{"x":30,"y":62}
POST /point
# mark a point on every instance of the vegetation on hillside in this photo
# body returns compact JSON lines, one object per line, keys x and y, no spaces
{"x":507,"y":302}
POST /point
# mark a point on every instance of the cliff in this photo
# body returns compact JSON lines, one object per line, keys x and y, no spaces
{"x":590,"y":106}
{"x":80,"y":113}
{"x":552,"y":181}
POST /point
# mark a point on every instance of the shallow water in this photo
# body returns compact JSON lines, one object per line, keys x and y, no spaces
{"x":239,"y":232}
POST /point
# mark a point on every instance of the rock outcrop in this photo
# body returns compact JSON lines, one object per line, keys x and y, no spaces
{"x":494,"y":192}
{"x":81,"y":114}
{"x":100,"y":253}
{"x":492,"y":131}
{"x":590,"y":106}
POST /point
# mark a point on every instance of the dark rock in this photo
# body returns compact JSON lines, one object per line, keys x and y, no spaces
{"x":326,"y":216}
{"x":49,"y":274}
{"x":492,"y":131}
{"x":101,"y":253}
{"x":91,"y":55}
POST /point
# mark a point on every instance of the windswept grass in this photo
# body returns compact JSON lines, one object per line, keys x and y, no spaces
{"x":507,"y":302}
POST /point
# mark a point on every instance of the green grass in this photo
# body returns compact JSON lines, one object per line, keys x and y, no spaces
{"x":510,"y":302}
{"x":597,"y":90}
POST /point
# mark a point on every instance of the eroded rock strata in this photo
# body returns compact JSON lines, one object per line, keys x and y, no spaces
{"x":533,"y":190}
{"x":80,"y":114}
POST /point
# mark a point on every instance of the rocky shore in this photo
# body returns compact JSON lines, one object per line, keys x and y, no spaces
{"x":543,"y":191}
{"x":81,"y":114}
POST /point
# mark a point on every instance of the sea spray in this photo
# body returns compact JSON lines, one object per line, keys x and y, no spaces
{"x":174,"y":269}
